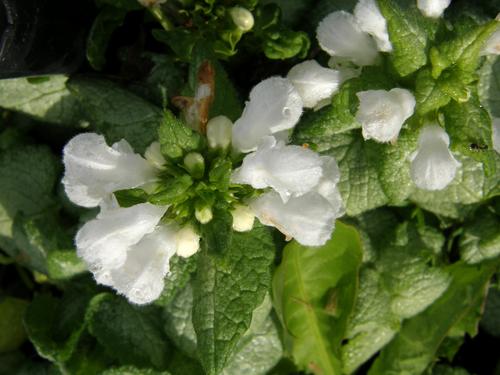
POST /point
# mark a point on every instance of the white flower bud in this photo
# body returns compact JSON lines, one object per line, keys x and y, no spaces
{"x":154,"y":156}
{"x":242,"y":18}
{"x":495,"y":134}
{"x":433,"y":166}
{"x":219,"y":131}
{"x":339,"y":35}
{"x":187,"y":241}
{"x":371,"y":21}
{"x":243,"y":218}
{"x":433,"y":8}
{"x":313,"y":82}
{"x":382,"y":113}
{"x":204,"y":215}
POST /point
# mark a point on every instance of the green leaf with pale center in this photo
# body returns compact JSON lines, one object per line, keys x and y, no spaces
{"x":480,"y":240}
{"x":314,"y":292}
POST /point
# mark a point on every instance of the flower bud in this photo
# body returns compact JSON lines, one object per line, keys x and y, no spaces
{"x":219,"y":131}
{"x":154,"y":156}
{"x":195,"y":164}
{"x":187,"y":241}
{"x":203,"y":214}
{"x":242,"y":18}
{"x":243,"y":218}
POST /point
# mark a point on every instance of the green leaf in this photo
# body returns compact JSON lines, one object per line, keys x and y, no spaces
{"x":130,"y":370}
{"x":116,"y":112}
{"x":173,"y":192}
{"x":177,"y":318}
{"x":64,"y":264}
{"x":489,"y":85}
{"x":176,"y":138}
{"x":463,"y":48}
{"x":448,"y":370}
{"x":227,"y":288}
{"x":428,"y":95}
{"x":314,"y":291}
{"x":259,"y":349}
{"x":55,"y":325}
{"x":220,"y":173}
{"x":480,"y":240}
{"x":217,"y":234}
{"x":28,"y":175}
{"x":11,"y":323}
{"x":106,"y":22}
{"x":113,"y":321}
{"x":48,"y":100}
{"x":469,"y":126}
{"x":180,"y":273}
{"x":122,"y":4}
{"x":397,"y":284}
{"x":414,"y":348}
{"x":130,"y":197}
{"x":491,"y":318}
{"x":409,"y":32}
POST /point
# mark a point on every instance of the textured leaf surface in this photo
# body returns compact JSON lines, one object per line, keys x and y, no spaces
{"x":415,"y":346}
{"x":259,"y":348}
{"x":130,"y":370}
{"x":314,"y":290}
{"x":489,"y":85}
{"x":27,"y":176}
{"x":11,"y":323}
{"x":481,"y":238}
{"x":114,"y":322}
{"x":397,"y":284}
{"x":46,"y":99}
{"x":409,"y":32}
{"x":228,"y":286}
{"x":116,"y":112}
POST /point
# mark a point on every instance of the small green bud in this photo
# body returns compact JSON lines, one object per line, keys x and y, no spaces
{"x":203,"y":215}
{"x":219,"y":132}
{"x":195,"y":164}
{"x":242,"y":18}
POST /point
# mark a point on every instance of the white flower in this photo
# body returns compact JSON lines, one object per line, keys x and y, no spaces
{"x":289,"y":170}
{"x":274,"y":106}
{"x":433,"y":166}
{"x":383,"y":113}
{"x":492,"y":45}
{"x":495,"y":134}
{"x":313,"y":82}
{"x":154,"y":156}
{"x":309,"y":218}
{"x":340,"y":35}
{"x":433,"y":8}
{"x":117,"y":246}
{"x":93,"y":170}
{"x":243,"y":218}
{"x":371,"y":21}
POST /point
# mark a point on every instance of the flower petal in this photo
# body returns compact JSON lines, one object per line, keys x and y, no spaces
{"x":492,"y":45}
{"x":93,"y":170}
{"x":327,"y":186}
{"x":371,"y":21}
{"x":433,"y":166}
{"x":313,"y":82}
{"x":274,"y":106}
{"x":104,"y":241}
{"x":495,"y":134}
{"x":290,"y":170}
{"x":433,"y":8}
{"x":140,"y":279}
{"x":187,"y":241}
{"x":339,"y":34}
{"x":383,"y":113}
{"x":308,"y":218}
